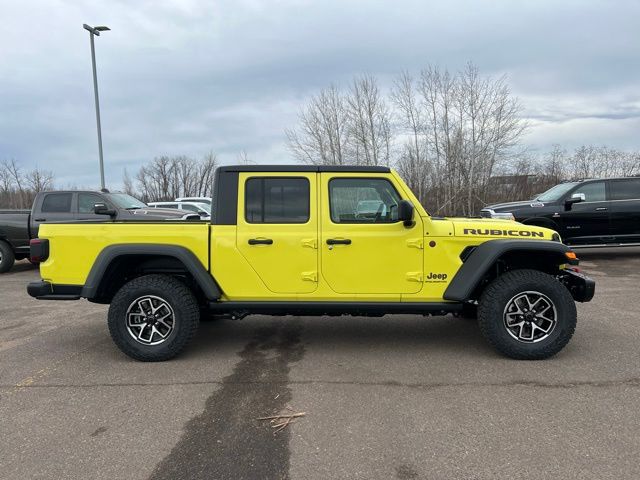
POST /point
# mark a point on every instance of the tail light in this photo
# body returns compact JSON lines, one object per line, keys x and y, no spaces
{"x":38,"y":250}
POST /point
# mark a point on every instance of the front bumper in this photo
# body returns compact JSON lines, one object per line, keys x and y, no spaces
{"x":582,"y":288}
{"x":47,"y":291}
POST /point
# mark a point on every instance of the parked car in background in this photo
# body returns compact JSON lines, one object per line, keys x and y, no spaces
{"x":206,"y":200}
{"x":17,"y":227}
{"x":202,"y":209}
{"x":598,"y":212}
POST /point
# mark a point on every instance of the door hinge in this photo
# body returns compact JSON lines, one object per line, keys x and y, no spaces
{"x":416,"y":243}
{"x":414,"y":276}
{"x":310,"y":276}
{"x":310,"y":242}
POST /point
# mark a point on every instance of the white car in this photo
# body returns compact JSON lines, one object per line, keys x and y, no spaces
{"x":202,"y":209}
{"x":206,"y":200}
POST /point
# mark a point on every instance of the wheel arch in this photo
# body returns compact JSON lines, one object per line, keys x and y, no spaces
{"x":489,"y":259}
{"x":117,"y":264}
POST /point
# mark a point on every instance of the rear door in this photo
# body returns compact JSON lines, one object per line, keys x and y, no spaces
{"x":625,"y":209}
{"x":53,"y":207}
{"x":364,"y":248}
{"x":277,"y":231}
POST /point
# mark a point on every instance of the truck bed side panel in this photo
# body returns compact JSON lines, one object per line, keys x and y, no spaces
{"x":75,"y":247}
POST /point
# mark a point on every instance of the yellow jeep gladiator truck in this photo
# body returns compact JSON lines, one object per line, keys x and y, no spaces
{"x":314,"y":240}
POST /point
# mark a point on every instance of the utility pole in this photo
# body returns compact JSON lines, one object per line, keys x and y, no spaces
{"x":95,"y":31}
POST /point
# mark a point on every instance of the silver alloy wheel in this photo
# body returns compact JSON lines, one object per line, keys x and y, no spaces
{"x":530,"y":317}
{"x":150,"y":320}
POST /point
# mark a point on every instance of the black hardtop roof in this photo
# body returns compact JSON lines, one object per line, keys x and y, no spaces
{"x":304,"y":168}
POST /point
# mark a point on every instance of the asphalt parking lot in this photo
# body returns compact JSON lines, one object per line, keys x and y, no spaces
{"x":395,"y":397}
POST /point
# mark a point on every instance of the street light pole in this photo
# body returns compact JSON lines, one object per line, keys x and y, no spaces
{"x":95,"y":31}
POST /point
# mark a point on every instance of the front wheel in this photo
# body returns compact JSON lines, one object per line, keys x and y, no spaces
{"x":527,"y":315}
{"x":153,"y":318}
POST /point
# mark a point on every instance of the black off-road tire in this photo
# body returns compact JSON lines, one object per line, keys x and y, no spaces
{"x":497,"y":295}
{"x":7,"y":258}
{"x":174,"y":293}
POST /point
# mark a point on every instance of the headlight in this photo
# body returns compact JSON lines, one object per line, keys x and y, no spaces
{"x":490,"y":213}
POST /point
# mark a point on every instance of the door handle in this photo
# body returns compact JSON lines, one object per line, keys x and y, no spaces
{"x":338,"y":241}
{"x":260,"y":241}
{"x":601,"y":209}
{"x":39,"y":219}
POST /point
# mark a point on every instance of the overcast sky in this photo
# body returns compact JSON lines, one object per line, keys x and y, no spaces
{"x":188,"y":77}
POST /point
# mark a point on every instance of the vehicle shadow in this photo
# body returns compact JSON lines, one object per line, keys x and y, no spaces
{"x":395,"y":333}
{"x":21,"y":266}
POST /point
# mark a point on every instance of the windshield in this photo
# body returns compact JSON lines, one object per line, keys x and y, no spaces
{"x":556,"y":193}
{"x":205,"y":207}
{"x":122,"y":200}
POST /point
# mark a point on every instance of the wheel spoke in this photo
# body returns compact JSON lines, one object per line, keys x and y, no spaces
{"x":142,"y":323}
{"x":530,"y":316}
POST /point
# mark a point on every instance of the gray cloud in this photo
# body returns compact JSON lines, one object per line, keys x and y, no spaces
{"x":186,"y":77}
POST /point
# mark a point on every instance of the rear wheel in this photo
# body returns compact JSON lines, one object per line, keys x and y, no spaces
{"x":527,"y":314}
{"x":7,"y":257}
{"x":153,"y":318}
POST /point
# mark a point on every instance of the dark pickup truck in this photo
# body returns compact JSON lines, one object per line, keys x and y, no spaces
{"x":18,"y":227}
{"x":599,"y":212}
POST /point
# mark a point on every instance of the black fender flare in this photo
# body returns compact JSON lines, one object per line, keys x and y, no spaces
{"x":105,"y":258}
{"x":485,"y":255}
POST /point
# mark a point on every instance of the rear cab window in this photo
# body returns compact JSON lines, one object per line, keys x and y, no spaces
{"x":57,"y":203}
{"x":277,"y":200}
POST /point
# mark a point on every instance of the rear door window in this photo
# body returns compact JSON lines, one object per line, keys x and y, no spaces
{"x":57,"y":203}
{"x":625,"y":189}
{"x":277,"y":200}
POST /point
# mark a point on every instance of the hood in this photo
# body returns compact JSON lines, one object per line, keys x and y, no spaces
{"x":498,"y":228}
{"x":509,"y":206}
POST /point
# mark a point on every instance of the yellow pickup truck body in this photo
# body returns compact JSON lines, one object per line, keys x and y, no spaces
{"x":345,"y":248}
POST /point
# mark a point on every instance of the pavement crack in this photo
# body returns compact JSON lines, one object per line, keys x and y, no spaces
{"x":630,"y":382}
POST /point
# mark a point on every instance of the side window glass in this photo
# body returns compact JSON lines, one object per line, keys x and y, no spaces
{"x":57,"y":203}
{"x":277,"y":200}
{"x":593,"y":192}
{"x":192,"y":208}
{"x":625,"y":189}
{"x":86,"y":202}
{"x":363,"y":200}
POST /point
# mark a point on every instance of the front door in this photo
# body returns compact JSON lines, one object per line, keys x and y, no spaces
{"x":277,"y":229}
{"x":589,"y":220}
{"x":364,"y":248}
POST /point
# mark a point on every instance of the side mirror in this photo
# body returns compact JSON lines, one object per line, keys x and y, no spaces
{"x":101,"y":209}
{"x":405,"y":213}
{"x":575,"y":198}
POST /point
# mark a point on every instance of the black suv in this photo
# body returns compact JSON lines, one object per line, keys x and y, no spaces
{"x":588,"y":212}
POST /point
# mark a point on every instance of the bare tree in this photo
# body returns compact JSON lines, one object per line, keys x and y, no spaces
{"x":369,"y":130}
{"x":321,"y":137}
{"x":413,"y":163}
{"x":166,"y":178}
{"x":39,"y":180}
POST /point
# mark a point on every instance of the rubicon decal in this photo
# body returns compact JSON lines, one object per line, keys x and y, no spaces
{"x":508,"y":233}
